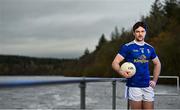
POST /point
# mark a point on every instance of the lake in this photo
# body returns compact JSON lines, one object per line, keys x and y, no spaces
{"x":67,"y":96}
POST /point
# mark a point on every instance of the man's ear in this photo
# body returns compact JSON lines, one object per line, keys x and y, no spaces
{"x":133,"y":33}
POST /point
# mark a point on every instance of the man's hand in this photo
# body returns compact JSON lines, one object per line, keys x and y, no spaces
{"x":152,"y":83}
{"x":124,"y":73}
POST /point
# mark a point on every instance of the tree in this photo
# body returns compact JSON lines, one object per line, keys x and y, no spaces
{"x":156,"y":21}
{"x":170,"y":7}
{"x":102,"y":40}
{"x":86,"y":52}
{"x":115,"y":34}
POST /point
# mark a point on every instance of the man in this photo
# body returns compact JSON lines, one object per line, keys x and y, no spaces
{"x":140,"y":89}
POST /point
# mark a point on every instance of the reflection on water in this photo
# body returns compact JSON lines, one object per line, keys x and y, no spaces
{"x":98,"y":95}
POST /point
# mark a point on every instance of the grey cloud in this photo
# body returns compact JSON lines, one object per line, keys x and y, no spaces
{"x":27,"y":23}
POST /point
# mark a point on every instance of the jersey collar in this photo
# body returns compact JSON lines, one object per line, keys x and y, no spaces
{"x":140,"y":44}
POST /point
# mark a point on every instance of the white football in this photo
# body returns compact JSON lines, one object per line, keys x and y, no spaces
{"x":128,"y":66}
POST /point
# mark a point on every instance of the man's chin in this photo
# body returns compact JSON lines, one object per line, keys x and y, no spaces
{"x":139,"y":40}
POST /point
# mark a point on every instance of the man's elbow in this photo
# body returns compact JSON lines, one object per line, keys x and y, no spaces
{"x":112,"y":65}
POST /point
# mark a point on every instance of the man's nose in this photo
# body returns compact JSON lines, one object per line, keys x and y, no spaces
{"x":140,"y":33}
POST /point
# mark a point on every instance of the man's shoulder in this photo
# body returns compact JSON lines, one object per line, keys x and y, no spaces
{"x":130,"y":43}
{"x":148,"y":45}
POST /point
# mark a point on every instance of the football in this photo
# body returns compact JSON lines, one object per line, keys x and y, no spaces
{"x":130,"y":67}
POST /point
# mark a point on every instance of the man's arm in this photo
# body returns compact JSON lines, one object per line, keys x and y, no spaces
{"x":115,"y":65}
{"x":156,"y":72}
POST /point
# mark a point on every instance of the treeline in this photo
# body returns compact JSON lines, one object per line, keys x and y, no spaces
{"x":163,"y":33}
{"x":22,"y":65}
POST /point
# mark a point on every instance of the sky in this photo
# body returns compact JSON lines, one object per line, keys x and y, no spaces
{"x":63,"y":28}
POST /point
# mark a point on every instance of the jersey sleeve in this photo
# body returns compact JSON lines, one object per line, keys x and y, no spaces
{"x":153,"y":54}
{"x":123,"y":51}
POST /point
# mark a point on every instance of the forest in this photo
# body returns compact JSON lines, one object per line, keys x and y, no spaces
{"x":163,"y":33}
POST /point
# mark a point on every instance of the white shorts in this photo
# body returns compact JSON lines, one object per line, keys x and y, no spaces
{"x":139,"y":94}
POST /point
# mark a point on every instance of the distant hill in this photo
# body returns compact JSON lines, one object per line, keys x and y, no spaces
{"x":24,"y":65}
{"x":163,"y":33}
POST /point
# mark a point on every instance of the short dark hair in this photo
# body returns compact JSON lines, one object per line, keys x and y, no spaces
{"x":138,"y":24}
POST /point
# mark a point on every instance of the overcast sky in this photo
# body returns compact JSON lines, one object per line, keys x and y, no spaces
{"x":63,"y":28}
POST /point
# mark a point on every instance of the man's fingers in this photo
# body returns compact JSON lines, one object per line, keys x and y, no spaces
{"x":152,"y":84}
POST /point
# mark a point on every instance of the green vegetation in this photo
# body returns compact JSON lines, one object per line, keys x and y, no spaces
{"x":20,"y":65}
{"x":163,"y":33}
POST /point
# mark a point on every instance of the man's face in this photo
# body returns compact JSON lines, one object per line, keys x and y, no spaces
{"x":139,"y":34}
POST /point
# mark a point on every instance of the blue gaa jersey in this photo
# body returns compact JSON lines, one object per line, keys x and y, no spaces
{"x":139,"y":55}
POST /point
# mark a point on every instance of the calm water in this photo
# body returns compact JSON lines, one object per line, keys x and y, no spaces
{"x":98,"y":95}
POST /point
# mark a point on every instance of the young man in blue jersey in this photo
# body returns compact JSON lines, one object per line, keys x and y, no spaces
{"x":140,"y":88}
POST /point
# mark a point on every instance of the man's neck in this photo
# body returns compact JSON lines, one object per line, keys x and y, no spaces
{"x":139,"y":42}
